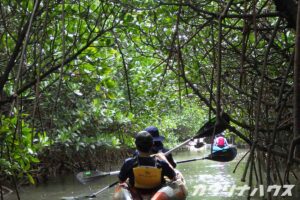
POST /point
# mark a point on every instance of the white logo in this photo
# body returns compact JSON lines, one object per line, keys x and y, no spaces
{"x":233,"y":190}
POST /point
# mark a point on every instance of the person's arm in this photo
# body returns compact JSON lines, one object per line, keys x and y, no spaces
{"x":168,"y":170}
{"x":124,"y":172}
{"x":162,"y":157}
{"x":171,"y":160}
{"x":226,"y":143}
{"x":136,"y":153}
{"x":169,"y":157}
{"x":215,"y":142}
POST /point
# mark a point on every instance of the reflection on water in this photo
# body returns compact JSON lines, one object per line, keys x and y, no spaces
{"x":66,"y":186}
{"x":207,"y":180}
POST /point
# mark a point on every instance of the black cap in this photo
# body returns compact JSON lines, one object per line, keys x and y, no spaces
{"x":155,"y":133}
{"x":144,"y":141}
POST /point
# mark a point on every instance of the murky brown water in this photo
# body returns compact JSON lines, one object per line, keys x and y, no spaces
{"x":205,"y":179}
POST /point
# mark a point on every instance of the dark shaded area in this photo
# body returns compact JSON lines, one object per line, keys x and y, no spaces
{"x":289,"y":10}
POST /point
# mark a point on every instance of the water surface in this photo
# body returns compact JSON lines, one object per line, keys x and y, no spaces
{"x":217,"y":179}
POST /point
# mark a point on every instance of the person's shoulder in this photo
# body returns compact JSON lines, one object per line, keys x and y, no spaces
{"x":130,"y":160}
{"x":135,"y":153}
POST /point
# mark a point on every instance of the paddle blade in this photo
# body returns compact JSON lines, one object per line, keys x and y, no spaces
{"x":87,"y":176}
{"x":77,"y":198}
{"x":208,"y":128}
{"x":70,"y":198}
{"x":225,"y":155}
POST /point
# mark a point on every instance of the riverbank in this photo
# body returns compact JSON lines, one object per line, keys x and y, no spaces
{"x":60,"y":161}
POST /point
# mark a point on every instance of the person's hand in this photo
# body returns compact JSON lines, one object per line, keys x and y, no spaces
{"x":124,"y":185}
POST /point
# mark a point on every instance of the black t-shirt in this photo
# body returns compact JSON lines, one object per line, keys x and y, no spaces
{"x":161,"y":149}
{"x":164,"y":150}
{"x":127,"y":168}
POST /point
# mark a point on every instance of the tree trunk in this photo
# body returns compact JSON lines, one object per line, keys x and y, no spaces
{"x":288,"y":8}
{"x":297,"y":84}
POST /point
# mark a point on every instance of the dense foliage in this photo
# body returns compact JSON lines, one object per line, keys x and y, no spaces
{"x":89,"y":73}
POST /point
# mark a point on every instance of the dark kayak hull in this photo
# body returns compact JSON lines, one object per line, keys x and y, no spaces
{"x":223,"y":154}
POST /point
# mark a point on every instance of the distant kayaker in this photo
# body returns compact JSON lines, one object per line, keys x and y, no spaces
{"x":220,"y":143}
{"x":144,"y":174}
{"x":158,"y":146}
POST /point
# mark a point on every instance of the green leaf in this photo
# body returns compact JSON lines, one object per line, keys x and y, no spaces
{"x":98,"y":87}
{"x":111,"y":95}
{"x":128,"y":18}
{"x":109,"y":83}
{"x":88,"y":67}
{"x":130,"y":116}
{"x":140,"y":18}
{"x":31,"y":180}
{"x":34,"y":160}
{"x":96,"y":102}
{"x":109,"y":41}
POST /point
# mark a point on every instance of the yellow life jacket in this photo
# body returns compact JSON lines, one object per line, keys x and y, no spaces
{"x":147,"y":177}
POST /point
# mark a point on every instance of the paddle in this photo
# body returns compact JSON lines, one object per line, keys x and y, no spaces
{"x":210,"y":127}
{"x":225,"y":155}
{"x":87,"y":176}
{"x":91,"y":195}
{"x":207,"y":130}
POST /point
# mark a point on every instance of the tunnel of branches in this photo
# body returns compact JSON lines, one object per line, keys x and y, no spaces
{"x":239,"y":57}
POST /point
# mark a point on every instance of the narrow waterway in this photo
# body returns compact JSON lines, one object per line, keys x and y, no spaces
{"x":205,"y":179}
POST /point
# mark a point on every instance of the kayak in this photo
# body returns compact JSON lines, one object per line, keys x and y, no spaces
{"x":223,"y":154}
{"x":216,"y":148}
{"x":172,"y":190}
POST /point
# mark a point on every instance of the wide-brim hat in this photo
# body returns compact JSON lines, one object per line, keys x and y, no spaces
{"x":155,"y":134}
{"x":158,"y":139}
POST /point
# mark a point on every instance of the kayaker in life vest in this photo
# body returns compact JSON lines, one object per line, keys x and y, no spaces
{"x":158,"y":146}
{"x":220,"y":143}
{"x":144,"y":174}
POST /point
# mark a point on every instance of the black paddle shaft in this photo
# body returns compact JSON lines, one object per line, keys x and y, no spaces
{"x":98,"y":192}
{"x":191,"y":160}
{"x":211,"y":127}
